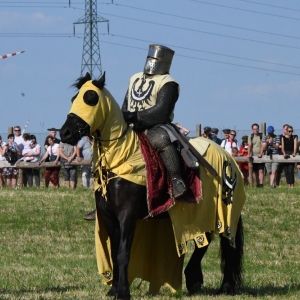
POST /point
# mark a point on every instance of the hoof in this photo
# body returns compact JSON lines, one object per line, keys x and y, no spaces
{"x":227,"y":289}
{"x":112,"y":292}
{"x":195,"y":289}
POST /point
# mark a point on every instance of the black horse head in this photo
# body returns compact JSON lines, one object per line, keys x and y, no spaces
{"x":85,"y":101}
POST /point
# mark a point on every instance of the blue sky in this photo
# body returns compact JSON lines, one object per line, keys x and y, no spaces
{"x":237,"y":61}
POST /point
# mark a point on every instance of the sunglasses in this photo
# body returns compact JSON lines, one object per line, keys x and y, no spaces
{"x":17,"y":130}
{"x":233,"y":134}
{"x":290,"y":131}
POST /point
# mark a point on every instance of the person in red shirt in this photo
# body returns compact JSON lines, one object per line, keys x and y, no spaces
{"x":243,"y":165}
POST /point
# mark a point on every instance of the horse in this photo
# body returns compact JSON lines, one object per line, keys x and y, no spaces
{"x":121,"y":199}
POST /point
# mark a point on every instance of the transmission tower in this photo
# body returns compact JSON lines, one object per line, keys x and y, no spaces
{"x":91,"y":60}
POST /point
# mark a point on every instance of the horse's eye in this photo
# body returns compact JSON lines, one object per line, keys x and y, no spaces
{"x":73,"y":98}
{"x":91,"y":98}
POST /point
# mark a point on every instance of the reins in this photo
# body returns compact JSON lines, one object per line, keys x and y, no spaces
{"x":98,"y":136}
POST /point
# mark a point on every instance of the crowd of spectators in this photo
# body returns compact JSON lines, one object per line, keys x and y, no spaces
{"x":28,"y":150}
{"x":255,"y":144}
{"x":258,"y":144}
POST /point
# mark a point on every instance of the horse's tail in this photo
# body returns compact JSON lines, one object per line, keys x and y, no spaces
{"x":232,"y":259}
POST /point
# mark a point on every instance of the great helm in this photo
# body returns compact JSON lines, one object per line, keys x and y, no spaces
{"x":158,"y":60}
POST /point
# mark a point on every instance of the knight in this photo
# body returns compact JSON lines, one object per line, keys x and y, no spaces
{"x":149,"y":104}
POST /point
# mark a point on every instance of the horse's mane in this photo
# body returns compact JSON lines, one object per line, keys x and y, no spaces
{"x":83,"y":79}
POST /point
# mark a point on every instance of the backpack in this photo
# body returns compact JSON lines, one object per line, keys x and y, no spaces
{"x":252,"y":136}
{"x":11,"y":155}
{"x":235,"y":140}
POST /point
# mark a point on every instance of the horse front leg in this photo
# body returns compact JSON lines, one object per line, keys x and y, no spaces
{"x":113,"y":230}
{"x":127,"y":228}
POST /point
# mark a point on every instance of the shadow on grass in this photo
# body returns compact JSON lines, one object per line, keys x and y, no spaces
{"x":270,"y":290}
{"x":57,"y":289}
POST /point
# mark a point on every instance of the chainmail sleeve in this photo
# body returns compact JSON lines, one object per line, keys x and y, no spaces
{"x":161,"y":112}
{"x":124,"y":105}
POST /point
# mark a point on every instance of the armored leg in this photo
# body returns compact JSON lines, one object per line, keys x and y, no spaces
{"x":160,"y":140}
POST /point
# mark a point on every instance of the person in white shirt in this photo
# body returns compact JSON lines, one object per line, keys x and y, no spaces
{"x":2,"y":158}
{"x":53,"y":153}
{"x":230,"y":142}
{"x":18,"y":138}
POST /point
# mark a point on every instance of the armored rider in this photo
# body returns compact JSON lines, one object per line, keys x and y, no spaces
{"x":149,"y":104}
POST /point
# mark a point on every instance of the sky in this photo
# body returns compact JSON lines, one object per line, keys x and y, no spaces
{"x":237,"y":61}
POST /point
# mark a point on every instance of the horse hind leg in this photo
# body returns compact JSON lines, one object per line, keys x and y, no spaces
{"x":232,"y":262}
{"x":193,"y":270}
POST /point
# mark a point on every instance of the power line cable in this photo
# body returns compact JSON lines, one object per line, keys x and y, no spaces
{"x":269,"y":5}
{"x":210,"y":60}
{"x":205,"y":32}
{"x":208,"y":22}
{"x":247,"y":10}
{"x":141,"y":40}
{"x":210,"y":52}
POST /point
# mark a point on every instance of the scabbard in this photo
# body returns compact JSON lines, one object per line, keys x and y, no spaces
{"x":182,"y":139}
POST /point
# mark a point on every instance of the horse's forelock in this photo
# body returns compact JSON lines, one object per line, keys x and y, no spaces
{"x":81,"y":81}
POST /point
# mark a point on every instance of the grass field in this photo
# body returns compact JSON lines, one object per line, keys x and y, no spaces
{"x":47,"y":249}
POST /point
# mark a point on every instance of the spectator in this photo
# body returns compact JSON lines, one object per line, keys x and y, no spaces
{"x":279,"y":146}
{"x":2,"y":158}
{"x":206,"y":133}
{"x":230,"y":142}
{"x":34,"y":156}
{"x":11,"y":173}
{"x":84,"y":152}
{"x":53,"y":154}
{"x":270,"y":145}
{"x":27,"y":149}
{"x":255,"y":147}
{"x":214,"y":136}
{"x":182,"y":129}
{"x":234,"y":151}
{"x":244,"y":165}
{"x":289,"y":147}
{"x":225,"y":134}
{"x":298,"y":164}
{"x":67,"y":153}
{"x":18,"y":139}
{"x":52,"y":132}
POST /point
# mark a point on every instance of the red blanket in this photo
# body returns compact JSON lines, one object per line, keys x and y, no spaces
{"x":159,"y":196}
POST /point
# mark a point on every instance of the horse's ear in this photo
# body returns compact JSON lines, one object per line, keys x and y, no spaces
{"x":88,"y":76}
{"x":100,"y":82}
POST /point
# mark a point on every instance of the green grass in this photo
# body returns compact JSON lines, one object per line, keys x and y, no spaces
{"x":47,"y":249}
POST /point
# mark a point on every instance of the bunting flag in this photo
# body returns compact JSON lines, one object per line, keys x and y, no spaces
{"x":11,"y":54}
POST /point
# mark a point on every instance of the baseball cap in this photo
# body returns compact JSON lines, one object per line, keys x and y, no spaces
{"x":207,"y":128}
{"x":53,"y":129}
{"x":215,"y":130}
{"x":270,"y":129}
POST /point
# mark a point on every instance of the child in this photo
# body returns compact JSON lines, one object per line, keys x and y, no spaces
{"x":27,"y":147}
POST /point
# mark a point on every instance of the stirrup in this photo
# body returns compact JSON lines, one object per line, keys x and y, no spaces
{"x":91,"y":216}
{"x":179,"y":187}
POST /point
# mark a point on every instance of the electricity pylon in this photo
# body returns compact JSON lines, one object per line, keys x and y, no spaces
{"x":91,"y":60}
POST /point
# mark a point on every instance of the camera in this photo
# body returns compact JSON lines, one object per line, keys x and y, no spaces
{"x":269,"y":151}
